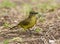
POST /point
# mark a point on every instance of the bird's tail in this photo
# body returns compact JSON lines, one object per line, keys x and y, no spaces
{"x":14,"y":27}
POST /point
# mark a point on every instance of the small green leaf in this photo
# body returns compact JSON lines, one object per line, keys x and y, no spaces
{"x":42,"y":19}
{"x":6,"y":24}
{"x":6,"y":42}
{"x":37,"y":29}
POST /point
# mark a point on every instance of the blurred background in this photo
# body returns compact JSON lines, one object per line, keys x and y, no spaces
{"x":46,"y":29}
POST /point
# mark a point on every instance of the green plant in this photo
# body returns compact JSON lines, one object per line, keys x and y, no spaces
{"x":38,"y":29}
{"x":6,"y":42}
{"x":41,"y":19}
{"x":18,"y":39}
{"x":34,"y":0}
{"x":26,"y":8}
{"x":43,"y":7}
{"x":7,"y":4}
{"x":6,"y":25}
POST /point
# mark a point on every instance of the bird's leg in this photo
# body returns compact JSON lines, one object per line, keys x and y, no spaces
{"x":29,"y":32}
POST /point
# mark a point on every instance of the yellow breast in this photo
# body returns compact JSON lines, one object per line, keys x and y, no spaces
{"x":31,"y":23}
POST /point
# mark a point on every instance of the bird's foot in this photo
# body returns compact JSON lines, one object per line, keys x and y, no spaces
{"x":29,"y":32}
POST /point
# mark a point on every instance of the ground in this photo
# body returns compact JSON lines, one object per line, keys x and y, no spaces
{"x":49,"y":29}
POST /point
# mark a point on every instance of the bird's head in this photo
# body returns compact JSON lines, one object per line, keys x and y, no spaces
{"x":32,"y":13}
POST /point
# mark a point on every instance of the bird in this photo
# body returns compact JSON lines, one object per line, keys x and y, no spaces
{"x":28,"y":22}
